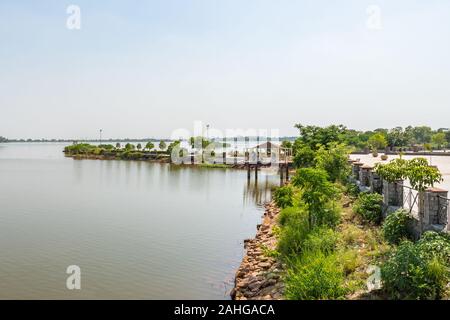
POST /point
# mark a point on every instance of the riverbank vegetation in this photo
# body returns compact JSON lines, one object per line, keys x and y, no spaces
{"x":332,"y":239}
{"x":126,"y":152}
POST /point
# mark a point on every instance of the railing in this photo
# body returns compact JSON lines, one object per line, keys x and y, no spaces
{"x":411,"y":200}
{"x":443,"y":208}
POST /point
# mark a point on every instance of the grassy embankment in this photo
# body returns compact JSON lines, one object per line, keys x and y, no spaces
{"x":330,"y":239}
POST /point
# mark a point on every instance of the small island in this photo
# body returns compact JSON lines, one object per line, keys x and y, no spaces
{"x":129,"y":151}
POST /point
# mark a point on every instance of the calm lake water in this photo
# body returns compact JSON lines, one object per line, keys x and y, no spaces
{"x":137,"y":230}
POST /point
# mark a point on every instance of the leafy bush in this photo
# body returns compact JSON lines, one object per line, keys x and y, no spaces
{"x":435,"y":245}
{"x":304,"y":156}
{"x":392,"y":171}
{"x":284,"y":196}
{"x":409,"y":274}
{"x":290,"y":214}
{"x":421,"y":175}
{"x":352,"y":189}
{"x":395,"y":227}
{"x":315,"y":275}
{"x":369,"y":207}
{"x":334,"y":160}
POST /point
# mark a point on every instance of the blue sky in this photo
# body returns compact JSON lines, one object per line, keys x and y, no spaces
{"x":146,"y":68}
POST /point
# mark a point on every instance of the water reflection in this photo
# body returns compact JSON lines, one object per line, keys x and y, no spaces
{"x":259,"y":191}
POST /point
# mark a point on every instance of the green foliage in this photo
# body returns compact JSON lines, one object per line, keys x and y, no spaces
{"x":417,"y":171}
{"x":409,"y":274}
{"x":395,"y":227}
{"x":314,"y":136}
{"x":304,"y":156}
{"x":80,"y":148}
{"x":131,"y":155}
{"x":293,"y":233}
{"x":377,"y":141}
{"x":286,"y":144}
{"x":149,"y":145}
{"x":435,"y":245}
{"x":317,"y":194}
{"x":315,"y":275}
{"x":321,"y":239}
{"x":108,"y":147}
{"x":393,"y":171}
{"x":369,"y":207}
{"x":284,"y":196}
{"x":162,"y":145}
{"x":290,"y":214}
{"x":421,"y":175}
{"x":439,"y":139}
{"x":172,"y":145}
{"x":334,"y":160}
{"x":129,"y":147}
{"x":352,"y":189}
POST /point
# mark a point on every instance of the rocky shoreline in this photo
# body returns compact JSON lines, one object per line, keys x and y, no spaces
{"x":259,"y":276}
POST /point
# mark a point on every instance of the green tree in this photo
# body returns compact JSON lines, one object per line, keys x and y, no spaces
{"x":149,"y":146}
{"x":392,"y":171}
{"x":314,"y":136}
{"x":129,"y":146}
{"x":377,"y":141}
{"x":421,"y":175}
{"x":397,"y":137}
{"x":317,"y":192}
{"x":422,"y":134}
{"x":439,"y":139}
{"x":172,"y":145}
{"x":162,"y":145}
{"x":286,"y":144}
{"x":139,"y":146}
{"x":118,"y":145}
{"x":304,"y":156}
{"x":334,"y":160}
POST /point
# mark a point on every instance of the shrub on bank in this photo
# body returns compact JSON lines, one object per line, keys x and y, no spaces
{"x":315,"y":275}
{"x":352,"y":189}
{"x":395,"y":227}
{"x":293,"y":234}
{"x":284,"y":196}
{"x":434,"y":244}
{"x":369,"y":207}
{"x":290,"y":214}
{"x":411,"y":273}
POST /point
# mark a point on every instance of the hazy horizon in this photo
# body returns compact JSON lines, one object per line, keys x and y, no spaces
{"x":138,"y":69}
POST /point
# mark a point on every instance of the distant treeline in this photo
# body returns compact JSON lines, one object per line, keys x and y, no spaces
{"x":398,"y":137}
